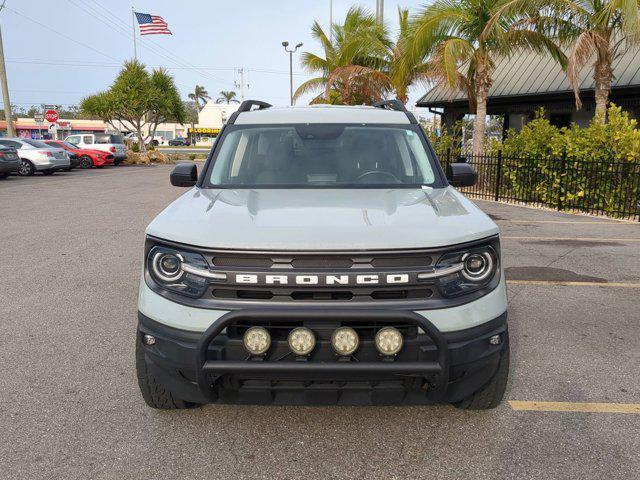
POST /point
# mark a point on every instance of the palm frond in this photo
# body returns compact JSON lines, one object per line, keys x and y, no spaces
{"x":309,"y":86}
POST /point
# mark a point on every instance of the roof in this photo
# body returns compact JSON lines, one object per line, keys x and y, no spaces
{"x":529,"y":73}
{"x":322,"y":114}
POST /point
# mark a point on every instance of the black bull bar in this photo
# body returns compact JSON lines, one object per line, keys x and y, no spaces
{"x":205,"y":366}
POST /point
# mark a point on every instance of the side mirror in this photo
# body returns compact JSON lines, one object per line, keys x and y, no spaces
{"x":184,"y":175}
{"x":461,"y":175}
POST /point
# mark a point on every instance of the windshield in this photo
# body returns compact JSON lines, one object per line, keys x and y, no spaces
{"x":322,"y":155}
{"x":36,"y":143}
{"x":109,"y":138}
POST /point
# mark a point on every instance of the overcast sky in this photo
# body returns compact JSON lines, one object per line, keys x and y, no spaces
{"x":58,"y":51}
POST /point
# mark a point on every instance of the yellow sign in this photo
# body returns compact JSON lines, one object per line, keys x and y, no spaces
{"x":207,"y":131}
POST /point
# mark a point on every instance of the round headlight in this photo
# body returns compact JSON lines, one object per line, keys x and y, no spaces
{"x":167,"y":266}
{"x":256,"y":340}
{"x":389,"y":341}
{"x":477,"y":266}
{"x":302,"y":341}
{"x":345,"y":340}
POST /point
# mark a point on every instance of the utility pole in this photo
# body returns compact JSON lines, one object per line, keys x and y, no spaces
{"x":5,"y":87}
{"x":242,"y":84}
{"x":291,"y":52}
{"x":380,"y":11}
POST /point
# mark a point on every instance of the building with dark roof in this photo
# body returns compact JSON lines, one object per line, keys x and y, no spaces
{"x":527,"y":81}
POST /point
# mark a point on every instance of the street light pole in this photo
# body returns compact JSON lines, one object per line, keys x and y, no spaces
{"x":330,"y":20}
{"x":5,"y":87}
{"x":380,"y":11}
{"x":291,"y":52}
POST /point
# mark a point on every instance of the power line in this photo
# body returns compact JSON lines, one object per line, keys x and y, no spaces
{"x":71,"y":63}
{"x":60,"y":33}
{"x":157,"y":49}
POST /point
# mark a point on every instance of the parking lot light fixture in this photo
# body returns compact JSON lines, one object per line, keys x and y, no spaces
{"x":285,"y":44}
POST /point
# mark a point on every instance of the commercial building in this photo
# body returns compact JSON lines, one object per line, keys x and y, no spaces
{"x":529,"y":80}
{"x":210,"y":120}
{"x":29,"y":128}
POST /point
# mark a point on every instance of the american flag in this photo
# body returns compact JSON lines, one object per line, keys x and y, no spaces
{"x":152,"y":24}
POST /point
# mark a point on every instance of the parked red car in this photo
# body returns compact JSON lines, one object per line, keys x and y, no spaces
{"x":87,"y":158}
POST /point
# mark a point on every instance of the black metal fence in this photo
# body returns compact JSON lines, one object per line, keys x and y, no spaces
{"x":595,"y":186}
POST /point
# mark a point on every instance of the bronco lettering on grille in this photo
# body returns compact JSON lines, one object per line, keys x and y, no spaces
{"x":363,"y":279}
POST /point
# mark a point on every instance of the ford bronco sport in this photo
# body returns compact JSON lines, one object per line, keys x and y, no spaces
{"x":322,"y":256}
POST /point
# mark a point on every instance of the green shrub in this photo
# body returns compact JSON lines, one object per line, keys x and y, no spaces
{"x":135,"y":148}
{"x":599,"y":170}
{"x":192,"y":156}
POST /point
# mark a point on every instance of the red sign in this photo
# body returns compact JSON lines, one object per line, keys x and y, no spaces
{"x":51,"y":116}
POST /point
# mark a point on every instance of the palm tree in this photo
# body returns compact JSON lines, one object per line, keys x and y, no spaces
{"x":595,"y":30}
{"x":227,"y":97}
{"x":391,"y":67}
{"x":360,"y":41}
{"x":199,"y":93}
{"x":465,"y":37}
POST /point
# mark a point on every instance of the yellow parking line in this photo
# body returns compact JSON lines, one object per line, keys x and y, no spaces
{"x":572,"y":239}
{"x":575,"y":407}
{"x":605,"y":222}
{"x":574,"y":284}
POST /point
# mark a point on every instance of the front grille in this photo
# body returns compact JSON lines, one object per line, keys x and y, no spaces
{"x":349,"y":265}
{"x":242,"y":262}
{"x":310,"y":261}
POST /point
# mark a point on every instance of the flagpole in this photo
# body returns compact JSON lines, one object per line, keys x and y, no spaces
{"x":133,"y":32}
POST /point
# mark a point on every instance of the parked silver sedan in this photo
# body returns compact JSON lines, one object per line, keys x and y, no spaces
{"x":37,"y":156}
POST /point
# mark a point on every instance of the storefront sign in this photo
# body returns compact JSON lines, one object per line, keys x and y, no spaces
{"x":204,"y":131}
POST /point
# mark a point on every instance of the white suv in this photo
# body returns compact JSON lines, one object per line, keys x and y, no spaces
{"x":322,"y":256}
{"x":107,"y":142}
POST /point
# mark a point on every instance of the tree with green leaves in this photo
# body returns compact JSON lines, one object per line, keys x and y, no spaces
{"x":595,"y":31}
{"x":199,"y":93}
{"x":462,"y":39}
{"x":359,"y":41}
{"x":227,"y":96}
{"x":167,"y":104}
{"x":137,"y":99}
{"x":390,"y":68}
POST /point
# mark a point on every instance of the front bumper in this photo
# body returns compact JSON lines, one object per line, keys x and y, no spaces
{"x":432,"y":366}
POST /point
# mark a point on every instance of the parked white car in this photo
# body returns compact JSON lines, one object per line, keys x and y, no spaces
{"x":149,"y":140}
{"x":37,"y":156}
{"x":107,"y":142}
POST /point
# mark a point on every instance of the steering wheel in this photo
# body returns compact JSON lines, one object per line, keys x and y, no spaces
{"x":380,"y":174}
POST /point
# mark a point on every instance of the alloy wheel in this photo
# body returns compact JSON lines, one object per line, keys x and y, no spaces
{"x":26,"y":168}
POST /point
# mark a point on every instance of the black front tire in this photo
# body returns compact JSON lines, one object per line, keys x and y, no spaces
{"x":86,"y":162}
{"x":154,"y":393}
{"x":491,"y":394}
{"x":26,"y":168}
{"x":117,"y":162}
{"x":3,"y":175}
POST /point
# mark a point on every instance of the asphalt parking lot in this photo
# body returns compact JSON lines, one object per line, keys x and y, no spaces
{"x":70,"y":406}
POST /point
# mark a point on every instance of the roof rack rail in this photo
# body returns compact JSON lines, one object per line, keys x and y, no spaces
{"x":246,"y":106}
{"x":398,"y":106}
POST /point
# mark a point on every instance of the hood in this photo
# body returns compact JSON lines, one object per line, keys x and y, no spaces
{"x":322,"y":219}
